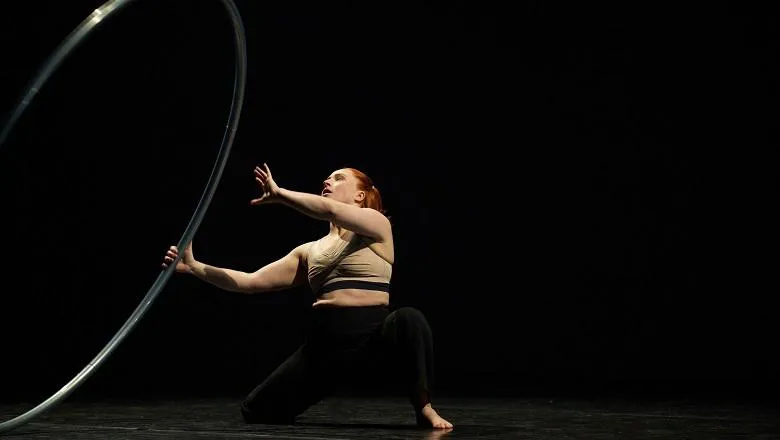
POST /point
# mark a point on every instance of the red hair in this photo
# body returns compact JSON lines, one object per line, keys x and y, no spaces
{"x":373,"y":199}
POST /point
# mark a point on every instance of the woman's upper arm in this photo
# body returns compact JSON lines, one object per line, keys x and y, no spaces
{"x":284,"y":273}
{"x":364,"y":221}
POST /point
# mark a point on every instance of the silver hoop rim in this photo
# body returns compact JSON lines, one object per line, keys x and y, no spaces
{"x":75,"y":38}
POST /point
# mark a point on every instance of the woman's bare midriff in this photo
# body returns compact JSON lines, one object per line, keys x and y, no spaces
{"x":356,"y":298}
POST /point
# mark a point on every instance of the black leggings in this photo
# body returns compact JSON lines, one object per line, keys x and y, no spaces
{"x":339,"y":341}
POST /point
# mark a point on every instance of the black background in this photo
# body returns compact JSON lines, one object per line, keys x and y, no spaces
{"x":583,"y":197}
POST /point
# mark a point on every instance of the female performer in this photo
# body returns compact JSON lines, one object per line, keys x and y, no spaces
{"x":349,"y":269}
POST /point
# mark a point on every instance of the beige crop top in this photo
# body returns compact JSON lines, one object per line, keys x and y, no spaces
{"x":333,"y":261}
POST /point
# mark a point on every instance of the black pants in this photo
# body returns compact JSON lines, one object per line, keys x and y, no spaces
{"x":340,"y":342}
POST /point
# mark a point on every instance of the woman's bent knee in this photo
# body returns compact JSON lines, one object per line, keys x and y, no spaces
{"x":409,"y":314}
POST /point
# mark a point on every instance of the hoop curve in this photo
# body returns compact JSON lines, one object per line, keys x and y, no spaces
{"x":78,"y":35}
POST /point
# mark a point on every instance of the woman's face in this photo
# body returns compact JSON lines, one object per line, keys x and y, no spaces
{"x":341,"y":185}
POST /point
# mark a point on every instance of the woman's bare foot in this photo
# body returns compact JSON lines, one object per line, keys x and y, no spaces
{"x":430,"y":418}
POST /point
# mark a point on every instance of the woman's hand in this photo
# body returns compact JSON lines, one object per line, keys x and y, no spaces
{"x":268,"y":188}
{"x":185,"y":263}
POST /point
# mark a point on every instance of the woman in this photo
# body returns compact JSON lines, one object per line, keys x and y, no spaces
{"x":349,"y":270}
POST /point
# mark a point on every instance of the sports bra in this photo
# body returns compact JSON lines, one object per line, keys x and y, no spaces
{"x":335,"y":263}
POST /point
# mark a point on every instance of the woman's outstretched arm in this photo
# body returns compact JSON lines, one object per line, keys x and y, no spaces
{"x":286,"y":272}
{"x":364,"y":221}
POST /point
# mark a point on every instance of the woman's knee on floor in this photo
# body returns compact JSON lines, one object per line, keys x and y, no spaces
{"x":285,"y":393}
{"x":267,"y":403}
{"x":268,"y":415}
{"x":275,"y":405}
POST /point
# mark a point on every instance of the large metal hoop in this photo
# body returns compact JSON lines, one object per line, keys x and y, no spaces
{"x":78,"y":35}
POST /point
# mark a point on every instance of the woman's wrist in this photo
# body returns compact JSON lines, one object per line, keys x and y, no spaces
{"x":196,"y":268}
{"x":282,"y":196}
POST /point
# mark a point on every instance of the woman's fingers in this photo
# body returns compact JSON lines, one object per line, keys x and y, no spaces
{"x":170,"y":256}
{"x":262,"y":177}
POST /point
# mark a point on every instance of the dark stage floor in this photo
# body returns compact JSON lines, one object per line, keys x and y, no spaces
{"x":390,"y":418}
